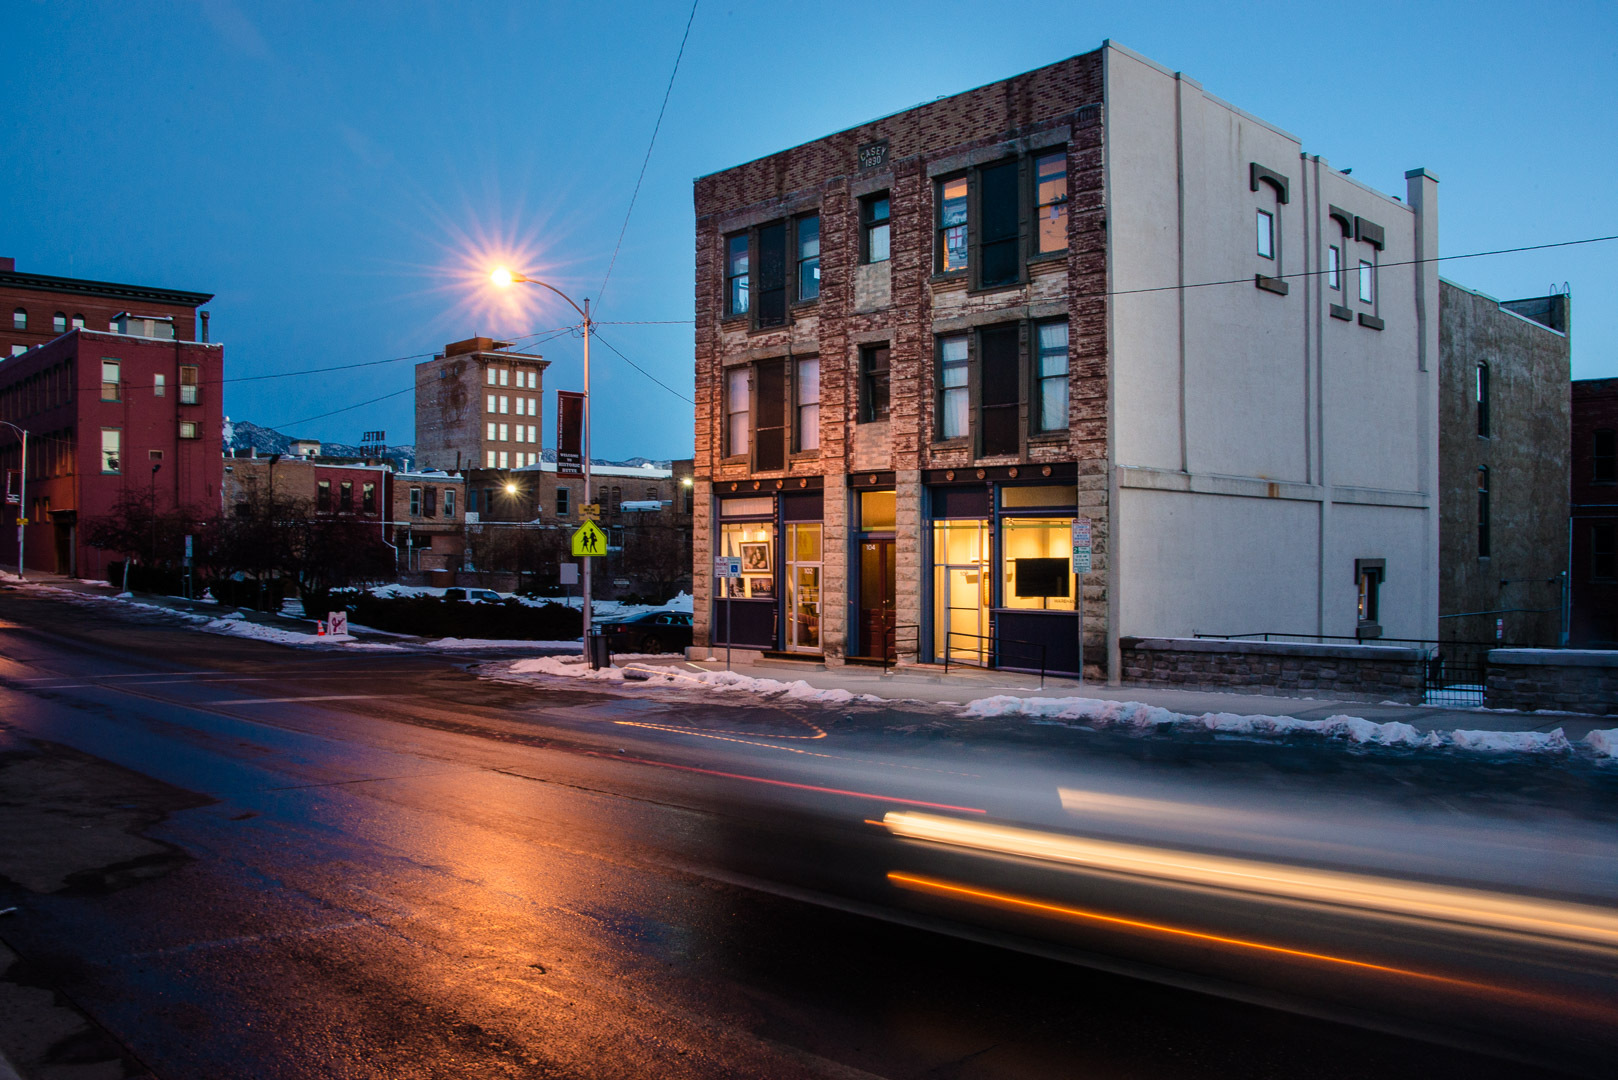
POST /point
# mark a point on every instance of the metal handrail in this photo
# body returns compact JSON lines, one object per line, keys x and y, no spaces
{"x":997,"y":641}
{"x":887,"y":663}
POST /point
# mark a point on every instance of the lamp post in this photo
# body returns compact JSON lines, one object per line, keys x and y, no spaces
{"x":504,"y":279}
{"x":22,"y":495}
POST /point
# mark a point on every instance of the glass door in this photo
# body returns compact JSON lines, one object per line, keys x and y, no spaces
{"x":803,"y":587}
{"x":962,"y":591}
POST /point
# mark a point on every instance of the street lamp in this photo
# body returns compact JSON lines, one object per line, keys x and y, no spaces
{"x":22,"y":494}
{"x":504,"y":278}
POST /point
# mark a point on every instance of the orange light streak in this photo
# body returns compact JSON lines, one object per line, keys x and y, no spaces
{"x":1042,"y":907}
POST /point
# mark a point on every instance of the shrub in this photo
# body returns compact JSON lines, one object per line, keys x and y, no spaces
{"x":431,"y":616}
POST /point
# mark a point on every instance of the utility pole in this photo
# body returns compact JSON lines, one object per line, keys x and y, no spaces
{"x":584,"y":608}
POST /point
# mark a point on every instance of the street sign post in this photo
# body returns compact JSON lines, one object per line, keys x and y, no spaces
{"x":1081,"y":566}
{"x":726,"y":567}
{"x":589,"y":541}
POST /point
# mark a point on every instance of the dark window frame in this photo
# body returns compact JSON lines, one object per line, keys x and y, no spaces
{"x":731,"y":277}
{"x":1604,"y":459}
{"x":1485,"y":544}
{"x":1483,"y":401}
{"x":368,"y":497}
{"x":872,"y":376}
{"x":345,"y":497}
{"x":1603,"y":556}
{"x":940,"y":230}
{"x":800,"y":261}
{"x":1037,"y":380}
{"x":1066,"y":201}
{"x":323,"y":496}
{"x":564,"y":501}
{"x":869,"y":223}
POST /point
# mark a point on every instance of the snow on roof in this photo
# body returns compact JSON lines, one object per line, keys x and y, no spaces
{"x":645,"y":472}
{"x":629,"y":506}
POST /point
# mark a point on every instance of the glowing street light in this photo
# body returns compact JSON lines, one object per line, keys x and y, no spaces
{"x":503,"y":278}
{"x":511,"y":489}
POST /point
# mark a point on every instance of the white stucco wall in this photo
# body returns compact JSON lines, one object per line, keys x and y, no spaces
{"x":1297,"y":442}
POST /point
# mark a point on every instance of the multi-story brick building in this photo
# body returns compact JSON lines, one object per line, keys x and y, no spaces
{"x":926,"y":344}
{"x":429,"y":521}
{"x":108,"y":414}
{"x":478,"y":407}
{"x":1502,"y":466}
{"x":1593,"y":554}
{"x":36,"y":308}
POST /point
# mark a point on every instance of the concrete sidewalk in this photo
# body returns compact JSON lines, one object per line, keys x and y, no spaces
{"x":964,"y":684}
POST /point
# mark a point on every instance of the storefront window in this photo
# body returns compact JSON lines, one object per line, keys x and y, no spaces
{"x":877,"y":511}
{"x":753,"y":542}
{"x":1037,"y":566}
{"x":961,"y":590}
{"x":803,"y":587}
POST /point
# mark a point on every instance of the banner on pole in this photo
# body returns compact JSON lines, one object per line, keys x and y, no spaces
{"x":569,"y":433}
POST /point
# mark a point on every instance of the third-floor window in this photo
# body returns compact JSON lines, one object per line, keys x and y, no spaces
{"x":993,"y":218}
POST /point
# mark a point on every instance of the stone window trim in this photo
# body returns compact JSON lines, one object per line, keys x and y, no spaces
{"x":1344,"y":219}
{"x":1041,"y":312}
{"x":1370,"y":232}
{"x":871,"y":184}
{"x":764,"y":213}
{"x":1260,"y":174}
{"x":965,"y":160}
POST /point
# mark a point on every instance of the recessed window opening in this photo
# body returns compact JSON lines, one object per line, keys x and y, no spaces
{"x":954,"y":400}
{"x":736,"y":275}
{"x":952,"y":221}
{"x":809,"y":257}
{"x":808,"y":419}
{"x":1334,"y":267}
{"x":1367,"y":282}
{"x":874,"y":211}
{"x":1050,"y":199}
{"x":1483,"y":511}
{"x":1483,"y":400}
{"x":874,"y":361}
{"x":1266,"y":234}
{"x":1604,"y":456}
{"x":1052,"y":377}
{"x":736,"y":412}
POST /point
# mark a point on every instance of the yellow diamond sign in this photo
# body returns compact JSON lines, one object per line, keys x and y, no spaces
{"x":589,"y":540}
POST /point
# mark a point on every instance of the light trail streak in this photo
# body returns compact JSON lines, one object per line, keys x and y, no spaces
{"x":1013,"y":902}
{"x":1469,"y":908}
{"x":791,"y":784}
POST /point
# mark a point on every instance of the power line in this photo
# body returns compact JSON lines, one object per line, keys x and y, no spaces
{"x":644,"y":322}
{"x":643,"y":371}
{"x":1345,"y":270}
{"x":344,"y":409}
{"x":647,"y":160}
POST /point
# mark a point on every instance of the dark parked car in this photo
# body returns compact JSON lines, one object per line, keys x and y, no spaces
{"x":650,"y":632}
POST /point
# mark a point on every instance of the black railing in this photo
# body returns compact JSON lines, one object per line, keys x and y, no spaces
{"x":995,"y":645}
{"x":1454,"y":672}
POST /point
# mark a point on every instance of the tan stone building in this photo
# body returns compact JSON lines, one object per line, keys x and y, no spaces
{"x":478,"y":407}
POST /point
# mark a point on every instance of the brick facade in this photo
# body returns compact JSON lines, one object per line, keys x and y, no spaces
{"x":1592,"y":582}
{"x":453,"y":413}
{"x":905,"y":304}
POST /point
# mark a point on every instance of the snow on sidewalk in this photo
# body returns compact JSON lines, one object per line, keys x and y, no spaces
{"x":574,"y":667}
{"x":1135,"y":716}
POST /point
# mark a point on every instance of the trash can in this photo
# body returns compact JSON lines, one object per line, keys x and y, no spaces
{"x":599,"y":651}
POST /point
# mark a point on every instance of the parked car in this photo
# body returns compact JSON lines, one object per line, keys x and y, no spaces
{"x":473,"y":595}
{"x":649,"y":632}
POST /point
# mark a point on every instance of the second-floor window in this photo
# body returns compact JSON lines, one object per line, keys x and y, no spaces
{"x":429,"y":502}
{"x":159,"y":385}
{"x":449,"y":502}
{"x":874,"y":235}
{"x":188,"y":429}
{"x":564,"y":505}
{"x":873,"y":383}
{"x":737,"y":275}
{"x":345,"y":497}
{"x":808,"y":425}
{"x":188,"y":385}
{"x":1483,"y":400}
{"x":770,"y":424}
{"x":368,"y":498}
{"x":808,"y":240}
{"x":111,"y":444}
{"x":415,"y":502}
{"x":954,"y":398}
{"x":736,"y":411}
{"x":323,"y":496}
{"x":109,"y":380}
{"x":1604,"y":551}
{"x":1051,"y":384}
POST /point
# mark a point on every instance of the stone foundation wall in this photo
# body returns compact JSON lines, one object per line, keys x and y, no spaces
{"x":1352,"y":672}
{"x":1565,"y":680}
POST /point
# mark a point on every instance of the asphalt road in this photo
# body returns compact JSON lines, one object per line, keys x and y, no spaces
{"x":242,"y":860}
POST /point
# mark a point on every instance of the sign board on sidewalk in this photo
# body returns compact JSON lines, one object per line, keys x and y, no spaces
{"x":337,"y":624}
{"x":1081,"y":545}
{"x":569,"y":433}
{"x":725,"y":566}
{"x":570,"y":573}
{"x":589,"y":540}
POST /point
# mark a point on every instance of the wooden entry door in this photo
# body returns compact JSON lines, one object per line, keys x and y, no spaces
{"x":878,"y":591}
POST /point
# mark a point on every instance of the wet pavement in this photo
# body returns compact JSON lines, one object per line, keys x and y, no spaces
{"x":235,"y":859}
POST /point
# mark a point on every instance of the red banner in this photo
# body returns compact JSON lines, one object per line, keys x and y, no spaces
{"x":569,"y":433}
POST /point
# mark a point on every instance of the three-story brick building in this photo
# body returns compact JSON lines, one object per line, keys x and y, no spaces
{"x":927,"y":344}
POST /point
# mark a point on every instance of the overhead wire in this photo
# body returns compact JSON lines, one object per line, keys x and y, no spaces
{"x":648,"y":158}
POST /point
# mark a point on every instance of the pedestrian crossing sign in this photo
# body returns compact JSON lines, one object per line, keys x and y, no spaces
{"x":589,"y":540}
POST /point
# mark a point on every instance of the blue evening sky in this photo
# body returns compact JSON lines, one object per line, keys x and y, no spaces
{"x":342,"y":174}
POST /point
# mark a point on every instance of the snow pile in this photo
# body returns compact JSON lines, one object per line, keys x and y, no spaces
{"x":239,"y":627}
{"x":1146,"y":719}
{"x":574,"y":667}
{"x":500,"y":643}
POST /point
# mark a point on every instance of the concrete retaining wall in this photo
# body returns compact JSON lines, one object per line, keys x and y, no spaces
{"x":1566,"y":680}
{"x":1352,"y":672}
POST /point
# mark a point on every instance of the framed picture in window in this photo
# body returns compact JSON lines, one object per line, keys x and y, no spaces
{"x":761,"y":588}
{"x":756,"y":557}
{"x":736,"y":588}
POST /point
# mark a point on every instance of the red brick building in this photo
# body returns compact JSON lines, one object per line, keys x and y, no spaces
{"x":36,"y":308}
{"x":1593,"y":573}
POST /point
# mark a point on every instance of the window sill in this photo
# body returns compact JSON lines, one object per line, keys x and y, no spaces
{"x":964,"y":443}
{"x":773,"y":328}
{"x":732,"y":320}
{"x":1338,"y":311}
{"x":799,"y":305}
{"x":950,"y":277}
{"x":1049,"y":438}
{"x":1366,"y":631}
{"x":1045,"y":258}
{"x":871,"y":420}
{"x":1271,"y":284}
{"x":805,"y":455}
{"x":1371,"y":321}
